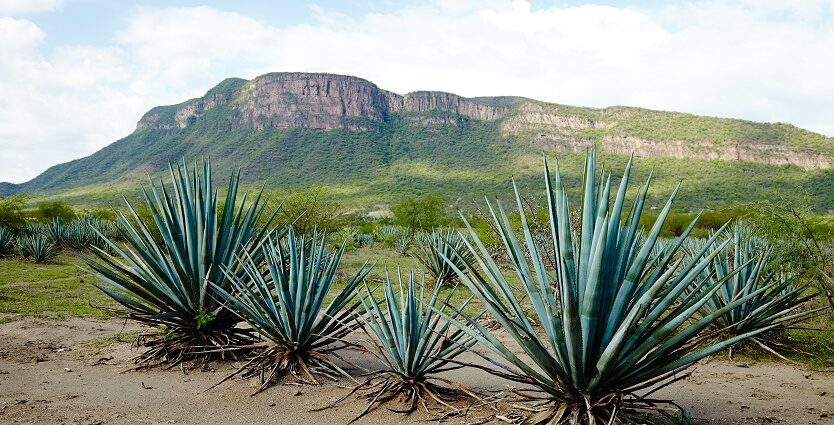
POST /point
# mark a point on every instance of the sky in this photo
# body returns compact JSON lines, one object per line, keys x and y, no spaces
{"x":76,"y":75}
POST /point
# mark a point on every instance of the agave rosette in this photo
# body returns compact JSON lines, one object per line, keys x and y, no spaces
{"x":612,"y":320}
{"x":286,"y":305}
{"x":414,"y":342}
{"x":437,"y":247}
{"x":38,"y":248}
{"x":168,"y":283}
{"x":7,"y":239}
{"x":751,"y":266}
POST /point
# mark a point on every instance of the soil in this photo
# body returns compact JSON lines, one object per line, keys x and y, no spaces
{"x":79,"y":371}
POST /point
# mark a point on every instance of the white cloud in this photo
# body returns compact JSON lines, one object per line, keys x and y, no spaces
{"x":22,"y":7}
{"x":19,"y":36}
{"x":761,"y":60}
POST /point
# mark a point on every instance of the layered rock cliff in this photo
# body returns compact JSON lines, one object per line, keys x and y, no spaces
{"x":623,"y":130}
{"x":315,"y":101}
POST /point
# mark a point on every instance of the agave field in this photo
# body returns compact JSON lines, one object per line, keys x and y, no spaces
{"x":583,"y":314}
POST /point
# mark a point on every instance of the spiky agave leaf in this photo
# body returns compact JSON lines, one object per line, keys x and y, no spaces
{"x":286,"y":306}
{"x":166,"y":284}
{"x":79,"y":235}
{"x":439,"y":246}
{"x":611,"y":315}
{"x":414,"y":342}
{"x":752,"y":264}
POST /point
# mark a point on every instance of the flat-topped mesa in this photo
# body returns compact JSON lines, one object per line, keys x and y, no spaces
{"x":425,"y":101}
{"x":316,"y":101}
{"x":310,"y":100}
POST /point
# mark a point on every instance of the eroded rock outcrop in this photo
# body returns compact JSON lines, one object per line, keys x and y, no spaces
{"x":625,"y":145}
{"x":426,"y":101}
{"x":317,"y":101}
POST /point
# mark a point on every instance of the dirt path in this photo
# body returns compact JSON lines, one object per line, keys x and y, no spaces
{"x":76,"y":372}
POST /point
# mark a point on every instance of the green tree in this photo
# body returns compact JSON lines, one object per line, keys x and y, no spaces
{"x":420,"y":213}
{"x":49,"y":211}
{"x":801,"y":241}
{"x":102,"y":214}
{"x":11,"y":212}
{"x":310,"y":208}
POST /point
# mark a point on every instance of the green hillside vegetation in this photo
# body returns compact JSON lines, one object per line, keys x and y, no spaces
{"x":665,"y":126}
{"x":360,"y":175}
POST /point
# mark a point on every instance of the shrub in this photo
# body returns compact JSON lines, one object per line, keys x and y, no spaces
{"x":421,"y":213}
{"x":11,"y":213}
{"x":309,"y":209}
{"x":50,"y":211}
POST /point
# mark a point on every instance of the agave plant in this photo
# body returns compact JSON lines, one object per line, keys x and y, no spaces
{"x":397,"y":237}
{"x":403,"y":243}
{"x":38,"y":248}
{"x":414,"y":344}
{"x":79,"y":235}
{"x":286,"y":306}
{"x":88,"y":232}
{"x":751,"y":266}
{"x":363,"y":240}
{"x":389,"y":232}
{"x":612,"y":322}
{"x":439,"y":246}
{"x":6,"y":241}
{"x":56,"y":231}
{"x":167,"y":285}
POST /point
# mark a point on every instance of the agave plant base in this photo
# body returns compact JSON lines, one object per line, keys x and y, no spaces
{"x":273,"y":363}
{"x":614,"y":408}
{"x":384,"y":387}
{"x":175,"y":347}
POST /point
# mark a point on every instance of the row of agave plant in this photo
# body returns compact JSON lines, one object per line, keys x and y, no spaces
{"x":613,"y":319}
{"x":42,"y":242}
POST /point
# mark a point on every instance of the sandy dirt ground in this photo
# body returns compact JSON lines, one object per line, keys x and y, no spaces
{"x":76,"y":372}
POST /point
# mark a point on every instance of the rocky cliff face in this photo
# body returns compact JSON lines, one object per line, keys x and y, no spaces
{"x":625,"y":145}
{"x":426,"y":101}
{"x":560,"y":129}
{"x":315,"y":101}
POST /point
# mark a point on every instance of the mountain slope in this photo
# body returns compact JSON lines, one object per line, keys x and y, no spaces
{"x":371,"y":145}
